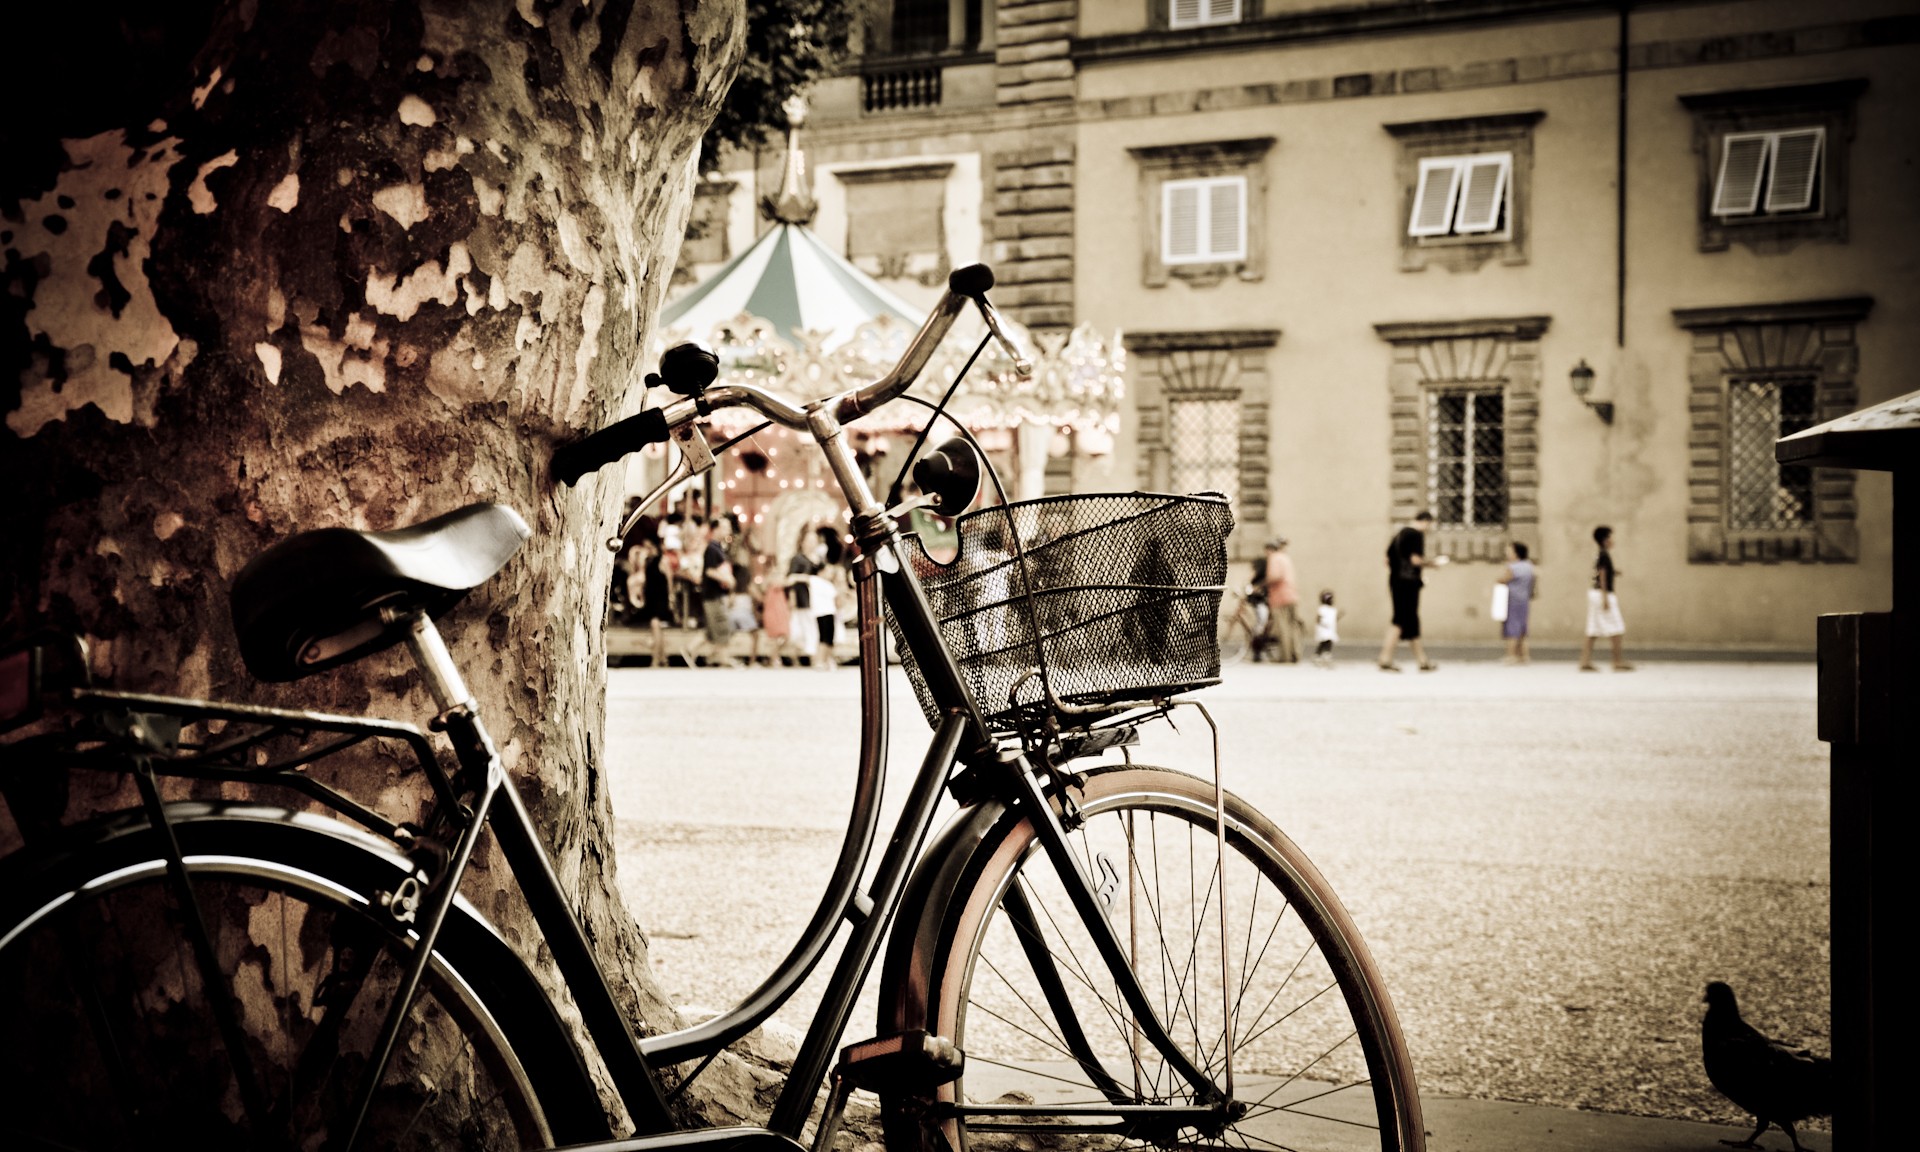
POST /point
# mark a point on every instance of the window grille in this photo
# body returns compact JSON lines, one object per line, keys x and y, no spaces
{"x":1462,"y":195}
{"x":1771,"y":172}
{"x":1762,"y":493}
{"x":1200,"y":13}
{"x":1205,"y":442}
{"x":1203,"y":221}
{"x":1467,"y":457}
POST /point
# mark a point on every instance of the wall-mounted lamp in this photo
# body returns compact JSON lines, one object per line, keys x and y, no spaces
{"x":1582,"y":380}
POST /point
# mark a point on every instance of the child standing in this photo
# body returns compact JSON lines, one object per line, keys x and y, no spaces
{"x":1326,"y":630}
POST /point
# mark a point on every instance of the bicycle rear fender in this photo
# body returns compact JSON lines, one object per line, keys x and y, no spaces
{"x":346,"y":858}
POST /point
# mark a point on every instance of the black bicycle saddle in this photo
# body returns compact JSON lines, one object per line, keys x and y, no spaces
{"x":314,"y":600}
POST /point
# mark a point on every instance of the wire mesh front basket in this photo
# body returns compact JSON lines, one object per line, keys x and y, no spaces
{"x":1115,"y":601}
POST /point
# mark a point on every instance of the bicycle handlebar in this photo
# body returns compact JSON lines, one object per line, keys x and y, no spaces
{"x":655,"y":425}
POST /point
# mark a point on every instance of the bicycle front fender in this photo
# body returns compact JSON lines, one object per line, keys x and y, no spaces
{"x":946,"y":869}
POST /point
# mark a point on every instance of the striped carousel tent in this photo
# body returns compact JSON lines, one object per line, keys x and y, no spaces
{"x":796,"y":284}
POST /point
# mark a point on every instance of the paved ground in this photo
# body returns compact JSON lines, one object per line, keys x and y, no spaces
{"x":1549,"y":865}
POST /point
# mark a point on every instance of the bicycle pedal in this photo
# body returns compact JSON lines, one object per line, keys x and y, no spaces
{"x":907,"y":1062}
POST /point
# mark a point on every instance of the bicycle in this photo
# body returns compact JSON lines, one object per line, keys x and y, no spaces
{"x":246,"y":974}
{"x":1240,"y":631}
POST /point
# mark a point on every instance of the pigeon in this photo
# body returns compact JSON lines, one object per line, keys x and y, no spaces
{"x":1778,"y":1084}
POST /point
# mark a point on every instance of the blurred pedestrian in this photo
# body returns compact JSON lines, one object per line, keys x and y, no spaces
{"x":802,"y":632}
{"x":1326,"y":630}
{"x":1603,"y":606}
{"x":651,"y":594}
{"x":1406,"y":560}
{"x":1520,"y":582}
{"x":1283,"y":595}
{"x":716,"y":585}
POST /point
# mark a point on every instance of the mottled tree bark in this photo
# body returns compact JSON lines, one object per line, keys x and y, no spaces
{"x":370,"y":266}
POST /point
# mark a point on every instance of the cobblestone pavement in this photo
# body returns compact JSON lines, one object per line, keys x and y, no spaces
{"x":1549,"y":865}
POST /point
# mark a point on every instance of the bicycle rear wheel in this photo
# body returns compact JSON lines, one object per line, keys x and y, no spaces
{"x":1235,"y":631}
{"x":113,"y":1040}
{"x":1301,"y":1015}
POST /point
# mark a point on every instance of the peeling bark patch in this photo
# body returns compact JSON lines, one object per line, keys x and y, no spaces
{"x":92,"y":291}
{"x":286,"y":194}
{"x":406,"y":203}
{"x":269,"y":361}
{"x":201,"y":93}
{"x":167,"y":523}
{"x":430,"y":281}
{"x":592,"y":312}
{"x":416,"y":112}
{"x":198,"y":194}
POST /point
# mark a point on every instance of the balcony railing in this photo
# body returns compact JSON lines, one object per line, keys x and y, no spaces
{"x":901,"y":89}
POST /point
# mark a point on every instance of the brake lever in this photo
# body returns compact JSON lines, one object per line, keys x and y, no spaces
{"x":1022,"y":363}
{"x":696,"y":456}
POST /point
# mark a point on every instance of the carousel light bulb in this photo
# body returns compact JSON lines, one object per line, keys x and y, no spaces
{"x":739,"y":473}
{"x":757,"y":517}
{"x":783,"y":483}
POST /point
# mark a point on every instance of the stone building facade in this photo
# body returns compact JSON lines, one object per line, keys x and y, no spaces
{"x":1536,"y":265}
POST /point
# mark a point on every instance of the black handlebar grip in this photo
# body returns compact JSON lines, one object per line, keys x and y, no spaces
{"x":974,"y":280}
{"x":572,"y":461}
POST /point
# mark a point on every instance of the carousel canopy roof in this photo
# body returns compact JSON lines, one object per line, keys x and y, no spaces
{"x":795,"y":283}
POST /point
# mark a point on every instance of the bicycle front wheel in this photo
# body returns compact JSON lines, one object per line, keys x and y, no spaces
{"x":1282,"y":1007}
{"x":113,"y":1036}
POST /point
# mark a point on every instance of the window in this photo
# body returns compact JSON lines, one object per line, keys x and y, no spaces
{"x":1461,"y":195}
{"x":1202,"y":410}
{"x":1205,"y":220}
{"x":1200,"y":13}
{"x":1762,"y":493}
{"x":1770,"y":172}
{"x":1758,"y":373}
{"x":1466,"y":458}
{"x":896,"y":221}
{"x":1464,"y":188}
{"x":1464,"y":411}
{"x":1206,"y":446}
{"x":1203,"y":211}
{"x":1773,"y":164}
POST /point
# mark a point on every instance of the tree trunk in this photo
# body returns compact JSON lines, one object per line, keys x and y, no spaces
{"x":368,"y":266}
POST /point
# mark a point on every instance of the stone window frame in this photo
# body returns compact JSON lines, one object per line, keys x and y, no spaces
{"x":1811,"y":337}
{"x":1510,"y":132}
{"x":1717,"y":115}
{"x":1451,"y":355}
{"x":1203,"y":160}
{"x":932,"y":173}
{"x":1160,"y":17}
{"x":1222,"y":364}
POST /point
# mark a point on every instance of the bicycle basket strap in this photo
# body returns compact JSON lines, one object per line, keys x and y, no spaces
{"x":1124,"y":594}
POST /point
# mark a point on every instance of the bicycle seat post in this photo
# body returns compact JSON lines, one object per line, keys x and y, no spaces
{"x":436,"y":666}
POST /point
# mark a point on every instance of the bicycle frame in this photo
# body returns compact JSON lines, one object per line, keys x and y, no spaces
{"x":477,"y":797}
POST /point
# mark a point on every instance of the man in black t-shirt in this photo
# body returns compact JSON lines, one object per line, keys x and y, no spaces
{"x":716,"y":583}
{"x":1406,"y":558}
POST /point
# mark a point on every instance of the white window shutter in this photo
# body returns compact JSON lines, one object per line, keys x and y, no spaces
{"x":1186,"y":13}
{"x":1180,"y":222}
{"x":1227,"y":218}
{"x":1482,"y":192}
{"x":1433,"y":197}
{"x":1796,"y":169}
{"x":1743,"y":161}
{"x":1223,"y":11}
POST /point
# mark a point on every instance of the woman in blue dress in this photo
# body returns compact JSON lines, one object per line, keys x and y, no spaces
{"x":1520,"y":581}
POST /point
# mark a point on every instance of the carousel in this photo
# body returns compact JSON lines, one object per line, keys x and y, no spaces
{"x":791,"y":315}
